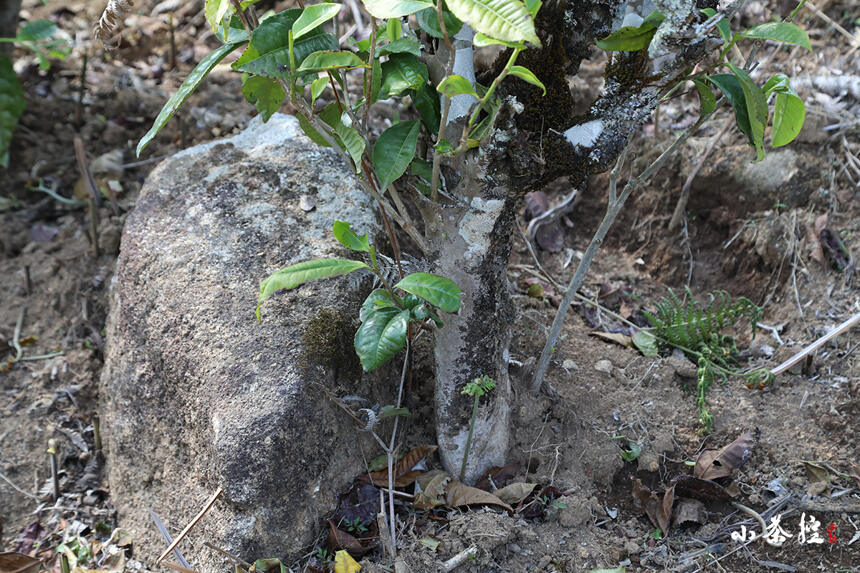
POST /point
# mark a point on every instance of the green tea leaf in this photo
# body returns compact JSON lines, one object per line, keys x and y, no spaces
{"x":533,"y":6}
{"x":482,"y":40}
{"x":347,"y":237}
{"x":731,"y":88}
{"x":314,"y":15}
{"x":400,"y":73}
{"x":377,"y":299}
{"x":300,"y":273}
{"x":428,"y":21}
{"x":317,"y":87}
{"x":756,"y":103}
{"x":438,"y":291}
{"x":348,"y":138}
{"x":454,"y":85}
{"x":393,"y":152}
{"x":329,"y":60}
{"x":215,"y":11}
{"x":268,"y":53}
{"x":311,"y":132}
{"x":526,"y":74}
{"x":501,"y":19}
{"x":12,"y":104}
{"x":707,"y":99}
{"x":778,"y":83}
{"x":186,"y":89}
{"x":395,"y":8}
{"x":628,"y":38}
{"x":232,"y":31}
{"x":265,"y":94}
{"x":426,"y":101}
{"x":36,"y":31}
{"x":646,"y":343}
{"x":779,"y":32}
{"x":381,"y":336}
{"x":789,"y":113}
{"x":404,"y":45}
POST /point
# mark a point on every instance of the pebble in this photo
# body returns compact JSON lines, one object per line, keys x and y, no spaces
{"x":603,"y":366}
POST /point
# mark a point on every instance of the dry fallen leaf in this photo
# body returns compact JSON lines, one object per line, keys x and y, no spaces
{"x":13,"y":562}
{"x":344,"y":563}
{"x":516,"y":492}
{"x":698,"y":488}
{"x":432,"y":494}
{"x":403,"y":475}
{"x":615,"y":337}
{"x":460,"y":494}
{"x":648,"y":499}
{"x":713,"y":464}
{"x":499,"y":476}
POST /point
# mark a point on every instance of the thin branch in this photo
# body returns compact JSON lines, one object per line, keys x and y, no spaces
{"x":191,"y":524}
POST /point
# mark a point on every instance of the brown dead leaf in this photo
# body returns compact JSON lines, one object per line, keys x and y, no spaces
{"x":816,"y":472}
{"x":689,"y":511}
{"x":698,"y":488}
{"x":460,"y":494}
{"x":664,"y":516}
{"x":498,"y":476}
{"x":433,"y":493}
{"x":403,"y":476}
{"x":12,"y":562}
{"x":649,"y":501}
{"x":713,"y":464}
{"x":615,"y":337}
{"x":339,"y":539}
{"x":514,"y":493}
{"x":855,"y":474}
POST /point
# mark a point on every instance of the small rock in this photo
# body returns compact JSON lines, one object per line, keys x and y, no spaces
{"x":682,"y":366}
{"x":603,"y":366}
{"x":575,"y":514}
{"x":307,"y":203}
{"x":632,"y":548}
{"x":569,"y":365}
{"x":109,"y":237}
{"x":648,"y":462}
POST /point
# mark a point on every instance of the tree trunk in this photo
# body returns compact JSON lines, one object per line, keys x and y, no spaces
{"x":473,"y":247}
{"x":8,"y":23}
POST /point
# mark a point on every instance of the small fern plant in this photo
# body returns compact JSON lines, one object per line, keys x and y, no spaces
{"x":696,"y":329}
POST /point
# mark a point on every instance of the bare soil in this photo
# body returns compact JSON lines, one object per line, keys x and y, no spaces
{"x":740,"y":236}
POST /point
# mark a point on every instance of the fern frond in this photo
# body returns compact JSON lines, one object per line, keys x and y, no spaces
{"x":110,"y":21}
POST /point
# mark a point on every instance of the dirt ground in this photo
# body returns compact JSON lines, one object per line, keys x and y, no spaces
{"x":741,"y":235}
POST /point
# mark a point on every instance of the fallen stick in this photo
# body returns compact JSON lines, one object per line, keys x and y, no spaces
{"x":459,"y":559}
{"x":188,"y":527}
{"x":844,"y":327}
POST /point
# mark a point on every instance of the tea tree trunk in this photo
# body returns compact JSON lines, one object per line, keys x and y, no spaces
{"x":537,"y":139}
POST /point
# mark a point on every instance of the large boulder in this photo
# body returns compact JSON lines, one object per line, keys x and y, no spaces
{"x":196,"y":395}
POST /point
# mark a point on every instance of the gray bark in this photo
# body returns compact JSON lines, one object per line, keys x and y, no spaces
{"x":8,"y":23}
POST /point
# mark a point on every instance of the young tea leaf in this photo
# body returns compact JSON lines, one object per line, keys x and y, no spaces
{"x":215,"y":11}
{"x":395,"y":8}
{"x":629,"y":38}
{"x":393,"y":152}
{"x":12,"y":104}
{"x":186,"y":89}
{"x":780,"y":32}
{"x":454,"y":85}
{"x":756,"y":103}
{"x":377,"y":299}
{"x":507,"y":20}
{"x":707,"y":99}
{"x":329,"y":60}
{"x":265,"y":94}
{"x":381,"y":336}
{"x":482,"y":41}
{"x":526,"y":74}
{"x":428,"y":21}
{"x":438,"y":291}
{"x":300,"y":273}
{"x":347,"y":237}
{"x":311,"y":132}
{"x":317,"y":88}
{"x":789,"y":113}
{"x":268,"y":53}
{"x":313,"y":16}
